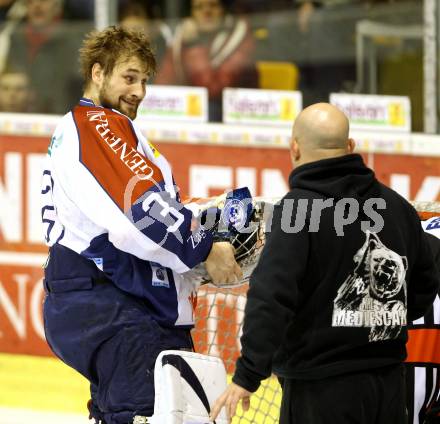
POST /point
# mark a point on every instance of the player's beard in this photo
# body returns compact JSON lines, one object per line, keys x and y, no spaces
{"x":121,"y":104}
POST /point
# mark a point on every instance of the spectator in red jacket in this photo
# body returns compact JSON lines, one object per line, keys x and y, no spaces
{"x":212,"y":49}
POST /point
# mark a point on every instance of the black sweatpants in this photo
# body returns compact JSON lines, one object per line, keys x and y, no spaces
{"x":372,"y":397}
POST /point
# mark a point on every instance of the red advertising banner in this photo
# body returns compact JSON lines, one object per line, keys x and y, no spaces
{"x":200,"y":170}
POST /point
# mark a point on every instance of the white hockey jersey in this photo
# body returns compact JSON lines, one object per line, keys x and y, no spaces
{"x":109,"y":195}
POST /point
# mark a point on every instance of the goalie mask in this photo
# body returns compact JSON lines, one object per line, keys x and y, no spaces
{"x":238,"y":220}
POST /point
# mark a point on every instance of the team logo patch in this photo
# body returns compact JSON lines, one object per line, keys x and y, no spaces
{"x":234,"y":214}
{"x":159,"y":277}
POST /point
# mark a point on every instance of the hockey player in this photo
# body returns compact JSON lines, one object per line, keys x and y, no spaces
{"x":119,"y":237}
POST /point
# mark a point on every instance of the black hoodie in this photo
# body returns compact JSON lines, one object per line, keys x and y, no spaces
{"x":335,"y":296}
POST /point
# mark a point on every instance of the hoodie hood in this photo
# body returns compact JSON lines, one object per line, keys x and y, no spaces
{"x":330,"y":177}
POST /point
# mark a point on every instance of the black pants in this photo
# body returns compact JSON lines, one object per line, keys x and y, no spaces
{"x":371,"y":397}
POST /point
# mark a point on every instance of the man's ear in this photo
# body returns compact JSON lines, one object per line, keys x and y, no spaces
{"x":295,"y":152}
{"x":97,"y":74}
{"x":351,"y":144}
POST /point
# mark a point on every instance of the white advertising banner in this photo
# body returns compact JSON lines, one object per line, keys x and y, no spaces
{"x":265,"y":107}
{"x":373,"y":112}
{"x":175,"y":103}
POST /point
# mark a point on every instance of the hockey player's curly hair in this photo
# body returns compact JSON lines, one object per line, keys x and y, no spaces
{"x":108,"y":46}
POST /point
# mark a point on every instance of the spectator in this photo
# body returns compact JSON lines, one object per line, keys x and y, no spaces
{"x":15,"y":92}
{"x":47,"y":49}
{"x":13,"y":15}
{"x":135,"y":16}
{"x":211,"y":49}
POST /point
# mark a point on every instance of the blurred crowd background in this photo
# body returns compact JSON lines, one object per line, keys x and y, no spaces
{"x":317,"y":47}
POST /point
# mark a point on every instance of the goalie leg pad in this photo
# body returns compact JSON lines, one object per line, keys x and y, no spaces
{"x":186,"y":385}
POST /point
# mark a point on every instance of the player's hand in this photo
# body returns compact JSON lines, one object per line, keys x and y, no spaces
{"x":229,"y":399}
{"x":221,"y":264}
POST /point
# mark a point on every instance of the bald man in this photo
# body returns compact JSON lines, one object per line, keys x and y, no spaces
{"x":346,"y":264}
